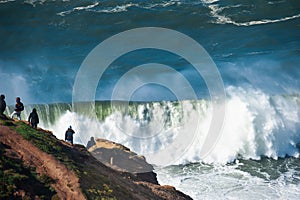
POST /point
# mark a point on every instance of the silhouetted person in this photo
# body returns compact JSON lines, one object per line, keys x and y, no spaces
{"x":91,"y":143}
{"x":69,"y":135}
{"x":19,"y":107}
{"x":33,"y":118}
{"x":2,"y":104}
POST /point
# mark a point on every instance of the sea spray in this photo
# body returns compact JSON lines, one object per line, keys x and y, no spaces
{"x":243,"y":179}
{"x":145,"y":133}
{"x":256,"y":125}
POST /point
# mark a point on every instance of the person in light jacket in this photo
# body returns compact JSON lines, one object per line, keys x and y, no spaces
{"x":19,"y":107}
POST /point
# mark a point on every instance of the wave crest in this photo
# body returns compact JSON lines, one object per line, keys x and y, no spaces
{"x":256,"y":125}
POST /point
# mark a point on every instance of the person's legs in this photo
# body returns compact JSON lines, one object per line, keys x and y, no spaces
{"x":13,"y":114}
{"x":19,"y":115}
{"x":34,"y":125}
{"x":16,"y":113}
{"x":71,"y":141}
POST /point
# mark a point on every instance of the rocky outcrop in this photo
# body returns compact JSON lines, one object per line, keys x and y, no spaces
{"x":120,"y":158}
{"x":71,"y":170}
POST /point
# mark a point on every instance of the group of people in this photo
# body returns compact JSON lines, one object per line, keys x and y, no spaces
{"x":33,"y":118}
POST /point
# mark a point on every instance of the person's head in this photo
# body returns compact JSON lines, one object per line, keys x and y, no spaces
{"x":18,"y":99}
{"x":70,"y":127}
{"x":2,"y":96}
{"x":34,"y":110}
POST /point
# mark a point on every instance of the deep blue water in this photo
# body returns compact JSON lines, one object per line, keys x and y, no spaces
{"x":43,"y":43}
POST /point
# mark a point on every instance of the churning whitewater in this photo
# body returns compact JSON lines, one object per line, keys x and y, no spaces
{"x":256,"y":125}
{"x":252,"y":153}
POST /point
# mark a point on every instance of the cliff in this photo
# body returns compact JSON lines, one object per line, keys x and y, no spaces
{"x":34,"y":164}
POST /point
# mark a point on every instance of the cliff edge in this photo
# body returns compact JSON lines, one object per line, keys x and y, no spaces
{"x":34,"y":164}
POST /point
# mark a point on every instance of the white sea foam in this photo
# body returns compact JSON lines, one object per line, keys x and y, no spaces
{"x":6,"y":1}
{"x":79,"y":8}
{"x":209,"y":1}
{"x":117,"y":9}
{"x":122,"y":7}
{"x":227,"y":182}
{"x":223,"y":19}
{"x":162,"y":4}
{"x":34,"y":2}
{"x":256,"y":125}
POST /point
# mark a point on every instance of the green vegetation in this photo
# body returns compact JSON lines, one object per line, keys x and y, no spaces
{"x":47,"y":143}
{"x":102,"y":194}
{"x":93,"y":184}
{"x":15,"y":178}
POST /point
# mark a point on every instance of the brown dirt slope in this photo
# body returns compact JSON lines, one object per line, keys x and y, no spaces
{"x":66,"y":182}
{"x":76,"y":173}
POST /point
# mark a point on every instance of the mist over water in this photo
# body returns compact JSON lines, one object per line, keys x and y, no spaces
{"x":256,"y":125}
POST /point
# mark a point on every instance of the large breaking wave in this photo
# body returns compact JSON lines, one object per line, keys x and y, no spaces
{"x":256,"y":125}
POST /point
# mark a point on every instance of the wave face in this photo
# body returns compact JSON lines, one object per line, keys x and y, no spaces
{"x":256,"y":125}
{"x":43,"y":44}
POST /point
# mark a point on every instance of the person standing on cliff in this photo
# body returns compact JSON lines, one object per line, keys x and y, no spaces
{"x":69,"y":135}
{"x":2,"y":104}
{"x":19,"y":107}
{"x":33,"y":118}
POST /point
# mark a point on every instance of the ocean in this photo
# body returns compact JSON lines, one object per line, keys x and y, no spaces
{"x":206,"y":90}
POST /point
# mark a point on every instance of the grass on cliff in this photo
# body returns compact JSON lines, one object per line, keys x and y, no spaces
{"x":93,"y":184}
{"x":16,"y":178}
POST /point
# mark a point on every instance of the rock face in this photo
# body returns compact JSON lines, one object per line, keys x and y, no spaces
{"x":120,"y":158}
{"x":36,"y":164}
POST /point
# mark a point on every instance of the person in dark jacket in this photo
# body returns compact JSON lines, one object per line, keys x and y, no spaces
{"x":69,"y":135}
{"x":33,"y":118}
{"x":2,"y":104}
{"x":19,"y":107}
